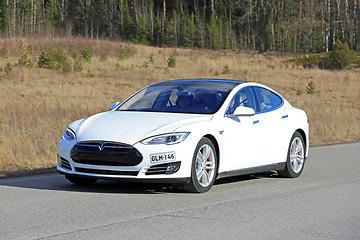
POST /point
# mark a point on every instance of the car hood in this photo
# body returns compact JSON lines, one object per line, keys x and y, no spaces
{"x":131,"y":127}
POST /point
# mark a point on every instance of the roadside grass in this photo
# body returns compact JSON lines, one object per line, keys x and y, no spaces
{"x":38,"y":103}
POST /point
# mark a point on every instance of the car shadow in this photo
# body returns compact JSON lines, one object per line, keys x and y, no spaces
{"x":240,"y":178}
{"x":56,"y":182}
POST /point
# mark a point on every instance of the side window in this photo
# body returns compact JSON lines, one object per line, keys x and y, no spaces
{"x":244,"y":98}
{"x":267,"y":99}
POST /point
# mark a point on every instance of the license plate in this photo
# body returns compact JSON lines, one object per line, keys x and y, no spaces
{"x":162,"y":157}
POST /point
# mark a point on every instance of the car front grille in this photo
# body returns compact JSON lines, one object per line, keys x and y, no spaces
{"x":106,"y":172}
{"x":105,"y":154}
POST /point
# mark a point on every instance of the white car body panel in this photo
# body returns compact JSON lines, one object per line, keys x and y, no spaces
{"x":130,"y":127}
{"x":244,"y":142}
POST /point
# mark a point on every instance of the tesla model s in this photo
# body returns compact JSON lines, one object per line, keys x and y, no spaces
{"x":188,"y":132}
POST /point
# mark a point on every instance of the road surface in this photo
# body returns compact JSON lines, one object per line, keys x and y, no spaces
{"x":323,"y":203}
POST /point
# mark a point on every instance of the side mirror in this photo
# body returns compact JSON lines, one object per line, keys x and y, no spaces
{"x":114,"y":105}
{"x":242,"y":112}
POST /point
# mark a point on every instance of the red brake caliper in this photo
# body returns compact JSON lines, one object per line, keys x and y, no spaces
{"x":207,"y":160}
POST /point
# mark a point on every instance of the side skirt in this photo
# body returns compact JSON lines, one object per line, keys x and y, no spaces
{"x":265,"y":168}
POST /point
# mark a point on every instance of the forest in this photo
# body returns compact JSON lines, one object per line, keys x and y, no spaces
{"x":290,"y":26}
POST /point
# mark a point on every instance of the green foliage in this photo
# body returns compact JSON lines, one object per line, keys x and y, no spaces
{"x":55,"y":59}
{"x":171,"y":61}
{"x":311,"y":60}
{"x":216,"y":73}
{"x":170,"y":36}
{"x":310,"y":89}
{"x":189,"y":31}
{"x":29,"y":50}
{"x":299,"y":92}
{"x":276,"y":26}
{"x":151,"y":58}
{"x":77,"y":66}
{"x":89,"y":74}
{"x":8,"y":68}
{"x":3,"y":17}
{"x":341,"y":57}
{"x":138,"y":32}
{"x":214,"y":33}
{"x":124,"y":53}
{"x":86,"y":55}
{"x":4,"y":52}
{"x":103,"y":57}
{"x":226,"y":69}
{"x":21,"y":48}
{"x":166,"y":70}
{"x":72,"y":53}
{"x":146,"y":64}
{"x":24,"y":60}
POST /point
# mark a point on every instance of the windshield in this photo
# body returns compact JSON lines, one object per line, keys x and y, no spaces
{"x":200,"y":97}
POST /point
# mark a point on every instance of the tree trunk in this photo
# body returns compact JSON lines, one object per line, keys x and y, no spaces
{"x":327,"y":25}
{"x":163,"y":23}
{"x":355,"y":32}
{"x":211,"y":6}
{"x":347,"y":11}
{"x":14,"y":19}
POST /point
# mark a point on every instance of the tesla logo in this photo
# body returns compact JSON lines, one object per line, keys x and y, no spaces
{"x":101,"y":146}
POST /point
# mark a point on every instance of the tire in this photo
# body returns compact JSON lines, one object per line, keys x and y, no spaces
{"x":81,"y":180}
{"x":203,"y":167}
{"x":295,"y":158}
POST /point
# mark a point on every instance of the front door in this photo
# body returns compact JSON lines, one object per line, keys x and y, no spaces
{"x":241,"y":137}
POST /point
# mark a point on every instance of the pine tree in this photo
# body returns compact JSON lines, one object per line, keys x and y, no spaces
{"x":3,"y":17}
{"x":189,"y":32}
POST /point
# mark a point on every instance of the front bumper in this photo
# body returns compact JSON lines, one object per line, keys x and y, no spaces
{"x":184,"y":180}
{"x":167,"y":171}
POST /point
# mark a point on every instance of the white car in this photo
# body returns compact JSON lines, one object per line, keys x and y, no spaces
{"x":188,"y":132}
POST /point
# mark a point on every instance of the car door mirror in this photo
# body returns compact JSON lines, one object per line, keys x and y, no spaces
{"x":242,"y":112}
{"x":114,"y":105}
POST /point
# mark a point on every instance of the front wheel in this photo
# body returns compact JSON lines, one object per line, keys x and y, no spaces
{"x":203,"y":168}
{"x":295,"y":158}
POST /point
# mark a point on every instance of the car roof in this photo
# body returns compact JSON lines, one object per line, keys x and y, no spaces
{"x":220,"y":82}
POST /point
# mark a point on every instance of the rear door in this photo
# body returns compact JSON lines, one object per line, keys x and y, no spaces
{"x":273,"y":120}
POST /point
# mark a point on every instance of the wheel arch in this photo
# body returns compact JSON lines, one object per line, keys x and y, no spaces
{"x":217,"y":149}
{"x":302,"y":133}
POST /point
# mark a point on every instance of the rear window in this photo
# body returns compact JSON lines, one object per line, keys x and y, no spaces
{"x":267,"y":100}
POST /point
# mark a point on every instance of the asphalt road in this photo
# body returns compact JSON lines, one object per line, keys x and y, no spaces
{"x":324,"y":203}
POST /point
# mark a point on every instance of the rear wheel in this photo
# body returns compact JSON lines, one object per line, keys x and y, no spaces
{"x":203,"y":168}
{"x":296,"y":157}
{"x":81,"y":180}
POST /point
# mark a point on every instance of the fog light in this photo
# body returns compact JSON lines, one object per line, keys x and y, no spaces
{"x":165,"y":168}
{"x":172,"y":167}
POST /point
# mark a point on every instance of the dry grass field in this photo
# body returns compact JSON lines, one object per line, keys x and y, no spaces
{"x":36,"y":104}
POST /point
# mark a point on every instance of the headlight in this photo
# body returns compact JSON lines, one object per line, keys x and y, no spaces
{"x":170,"y":138}
{"x":68,"y":134}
